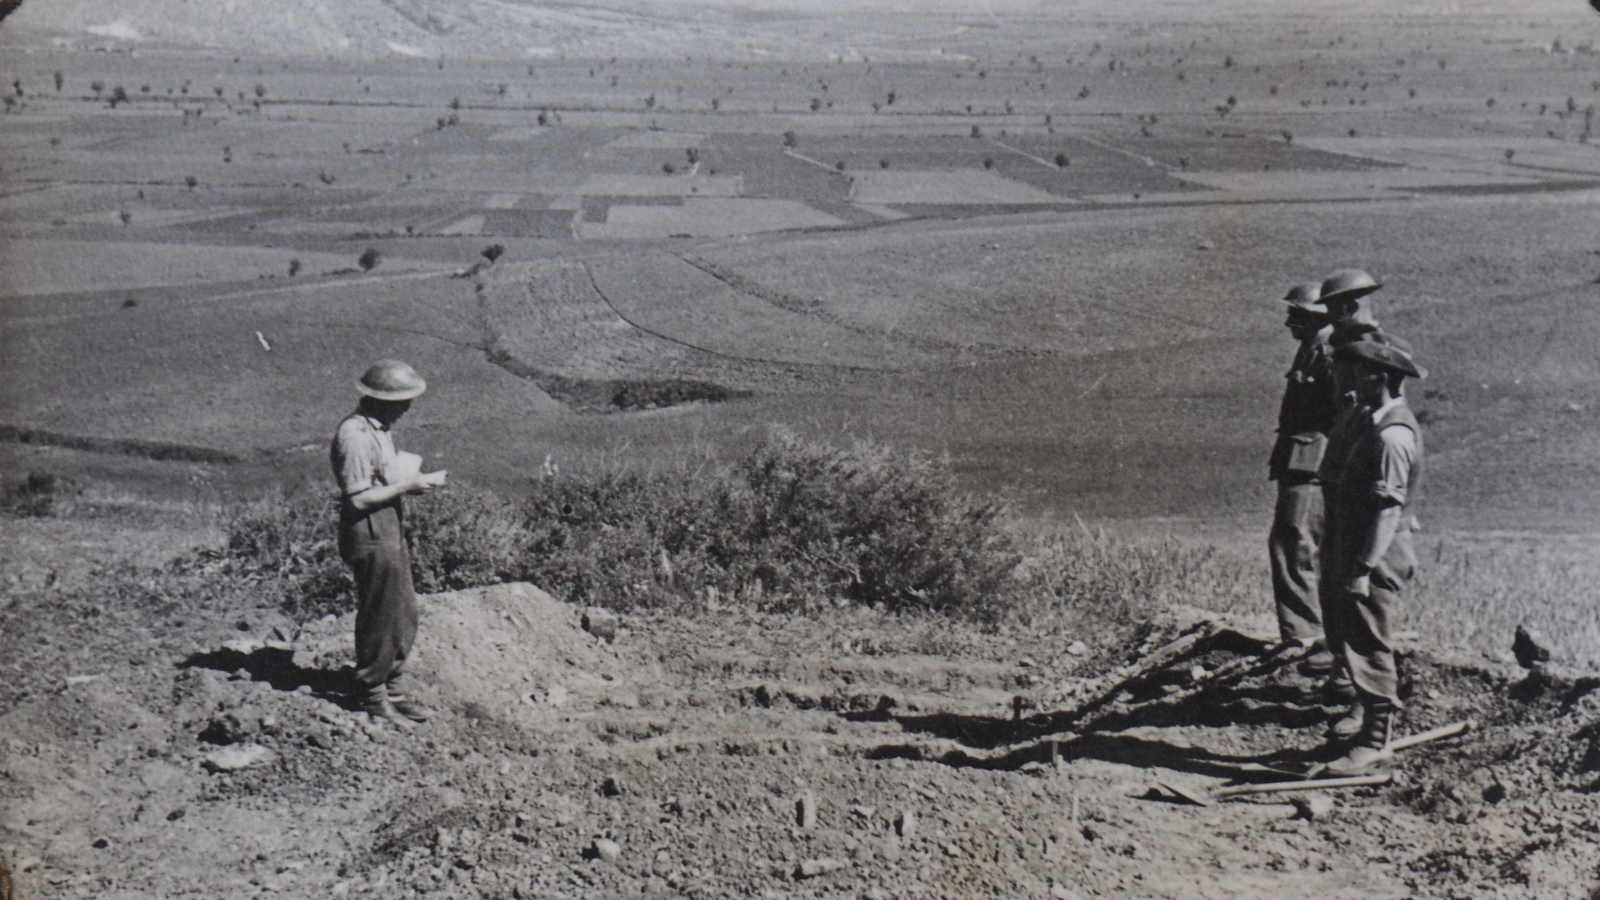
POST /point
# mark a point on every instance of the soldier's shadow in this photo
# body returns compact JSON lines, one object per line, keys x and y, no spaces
{"x":275,"y":666}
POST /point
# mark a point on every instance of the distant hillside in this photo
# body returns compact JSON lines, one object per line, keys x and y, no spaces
{"x":728,"y":29}
{"x":460,"y":28}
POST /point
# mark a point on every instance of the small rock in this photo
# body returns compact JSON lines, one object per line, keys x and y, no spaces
{"x":607,"y":849}
{"x":1078,"y":648}
{"x":1530,"y":647}
{"x":1313,"y":807}
{"x":80,"y":680}
{"x":101,"y":843}
{"x":875,"y":893}
{"x":320,"y":740}
{"x":812,"y":868}
{"x":238,"y":757}
{"x":952,"y":850}
{"x":556,"y":696}
{"x":176,"y":814}
{"x":600,"y":623}
{"x":612,"y":786}
{"x":805,"y":810}
{"x":863,"y":812}
{"x":905,"y":824}
{"x":1059,"y":891}
{"x":1206,"y":245}
{"x":1026,"y":662}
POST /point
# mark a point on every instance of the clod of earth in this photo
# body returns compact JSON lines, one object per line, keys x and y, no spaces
{"x":806,"y":810}
{"x":237,"y":758}
{"x":606,"y":849}
{"x":813,"y":868}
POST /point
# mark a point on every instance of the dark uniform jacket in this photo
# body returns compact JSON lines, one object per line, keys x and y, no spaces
{"x":1310,"y":405}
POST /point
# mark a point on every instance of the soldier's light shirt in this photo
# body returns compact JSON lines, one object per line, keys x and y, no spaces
{"x":363,"y":451}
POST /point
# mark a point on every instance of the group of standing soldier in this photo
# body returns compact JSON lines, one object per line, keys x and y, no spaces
{"x":1346,"y":462}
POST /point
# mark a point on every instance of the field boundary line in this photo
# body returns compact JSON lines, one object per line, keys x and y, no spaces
{"x":589,"y":271}
{"x":1020,"y":152}
{"x":803,"y":158}
{"x":156,"y":450}
{"x":1128,"y":153}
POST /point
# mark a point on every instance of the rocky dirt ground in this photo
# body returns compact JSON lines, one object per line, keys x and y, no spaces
{"x":153,"y":748}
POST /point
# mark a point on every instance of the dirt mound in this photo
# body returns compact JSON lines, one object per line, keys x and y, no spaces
{"x":503,"y":651}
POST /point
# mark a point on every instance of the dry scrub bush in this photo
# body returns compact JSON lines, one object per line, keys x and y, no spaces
{"x":792,"y":526}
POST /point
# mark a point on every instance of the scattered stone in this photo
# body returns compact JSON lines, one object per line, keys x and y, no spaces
{"x":905,"y":824}
{"x":606,"y":849}
{"x":875,"y":893}
{"x":320,"y":739}
{"x":1206,"y":245}
{"x":1059,"y":891}
{"x":176,"y":814}
{"x":612,"y":786}
{"x":600,"y":623}
{"x":556,"y":696}
{"x":805,"y":810}
{"x":1026,"y":662}
{"x":951,"y":849}
{"x":101,"y":843}
{"x":1530,"y":647}
{"x":1313,"y":807}
{"x":232,"y":727}
{"x":813,"y":868}
{"x":863,"y":812}
{"x":238,"y":757}
{"x":1078,"y":648}
{"x":80,"y":680}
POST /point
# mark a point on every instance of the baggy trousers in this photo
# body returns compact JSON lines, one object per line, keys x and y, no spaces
{"x":1363,"y":627}
{"x":1297,"y":524}
{"x":386,"y":612}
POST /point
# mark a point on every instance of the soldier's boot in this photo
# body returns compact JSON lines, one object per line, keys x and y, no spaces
{"x":377,"y":705}
{"x":404,"y":705}
{"x":1350,"y":724}
{"x":1340,"y":686}
{"x":1318,"y":664}
{"x":1372,"y":745}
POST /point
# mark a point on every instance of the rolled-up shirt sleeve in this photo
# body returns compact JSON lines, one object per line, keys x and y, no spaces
{"x":357,"y":457}
{"x":1399,"y":455}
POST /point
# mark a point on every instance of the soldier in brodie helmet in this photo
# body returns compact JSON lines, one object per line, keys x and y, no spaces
{"x":1367,"y":551}
{"x":1310,"y":405}
{"x":372,"y":478}
{"x":1345,"y":293}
